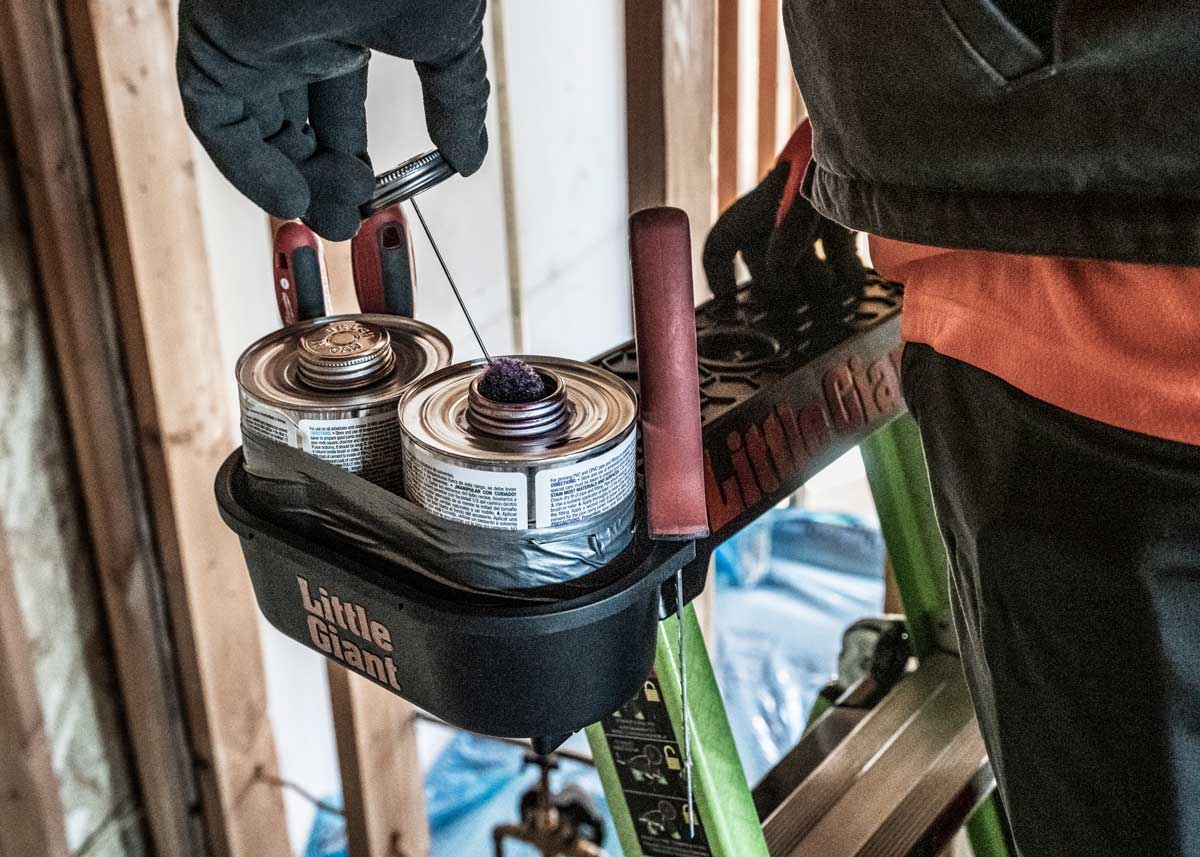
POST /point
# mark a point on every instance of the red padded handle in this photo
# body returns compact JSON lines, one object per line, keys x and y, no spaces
{"x":301,"y":282}
{"x":382,"y":260}
{"x":668,"y":380}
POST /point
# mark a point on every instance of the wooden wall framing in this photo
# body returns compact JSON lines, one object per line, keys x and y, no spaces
{"x":769,"y":12}
{"x":727,"y":68}
{"x":149,"y":424}
{"x":55,"y":174}
{"x":670,"y":47}
{"x":124,"y":54}
{"x":29,"y":802}
{"x":383,"y":792}
{"x":773,"y":102}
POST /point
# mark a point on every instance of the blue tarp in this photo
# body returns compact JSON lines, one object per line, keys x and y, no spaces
{"x":787,"y":586}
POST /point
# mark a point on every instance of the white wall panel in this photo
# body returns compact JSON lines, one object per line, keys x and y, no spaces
{"x":566,"y":97}
{"x":465,"y":214}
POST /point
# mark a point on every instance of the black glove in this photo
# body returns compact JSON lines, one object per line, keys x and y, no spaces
{"x":776,"y":229}
{"x":275,"y":90}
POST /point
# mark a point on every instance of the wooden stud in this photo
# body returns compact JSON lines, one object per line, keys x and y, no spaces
{"x":768,"y":82}
{"x":508,"y":180}
{"x":646,"y":131}
{"x":688,"y":82}
{"x":796,"y":112}
{"x":727,"y":102}
{"x":669,"y":48}
{"x":31,"y":814}
{"x":341,"y":277}
{"x":53,"y":166}
{"x":142,"y":159}
{"x":383,"y":792}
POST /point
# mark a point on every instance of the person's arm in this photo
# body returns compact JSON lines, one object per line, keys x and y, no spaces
{"x":275,"y":90}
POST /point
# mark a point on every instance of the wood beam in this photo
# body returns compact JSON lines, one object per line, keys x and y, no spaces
{"x":141,"y":156}
{"x":726,"y":62}
{"x":768,"y":82}
{"x":31,"y":813}
{"x":669,"y":56}
{"x":341,"y":277}
{"x":646,"y":132}
{"x":39,"y":92}
{"x":688,"y":81}
{"x":383,"y":792}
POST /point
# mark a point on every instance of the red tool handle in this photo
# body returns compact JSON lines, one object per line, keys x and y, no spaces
{"x":301,"y":282}
{"x":382,"y":259}
{"x":668,"y":378}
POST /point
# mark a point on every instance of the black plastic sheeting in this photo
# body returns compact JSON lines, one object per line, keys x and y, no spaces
{"x":322,"y":501}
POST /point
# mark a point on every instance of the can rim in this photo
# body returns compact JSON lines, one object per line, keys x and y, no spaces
{"x":405,"y":333}
{"x":587,"y":433}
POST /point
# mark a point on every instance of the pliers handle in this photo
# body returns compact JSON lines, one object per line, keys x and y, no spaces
{"x":301,"y":279}
{"x":381,"y":258}
{"x":381,"y":262}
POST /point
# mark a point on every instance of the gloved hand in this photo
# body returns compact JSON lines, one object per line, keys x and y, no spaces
{"x":776,"y":229}
{"x":275,"y":90}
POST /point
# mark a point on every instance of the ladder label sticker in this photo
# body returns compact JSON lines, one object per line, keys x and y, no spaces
{"x":650,"y":769}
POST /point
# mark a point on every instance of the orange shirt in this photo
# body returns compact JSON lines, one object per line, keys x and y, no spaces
{"x":1115,"y":342}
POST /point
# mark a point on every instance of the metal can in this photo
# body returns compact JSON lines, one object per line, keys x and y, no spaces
{"x":567,"y":458}
{"x":330,"y":386}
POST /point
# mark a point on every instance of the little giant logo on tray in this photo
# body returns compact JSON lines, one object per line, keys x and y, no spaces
{"x":332,"y":622}
{"x":757,"y":459}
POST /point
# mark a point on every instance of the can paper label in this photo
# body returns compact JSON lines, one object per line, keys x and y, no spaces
{"x":482,"y":498}
{"x":586,"y":488}
{"x":267,"y":423}
{"x":368,"y":446}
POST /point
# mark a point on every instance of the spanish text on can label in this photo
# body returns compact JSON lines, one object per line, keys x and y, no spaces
{"x":482,"y":498}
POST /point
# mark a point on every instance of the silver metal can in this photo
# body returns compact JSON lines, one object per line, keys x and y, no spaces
{"x":567,"y":458}
{"x":330,"y":386}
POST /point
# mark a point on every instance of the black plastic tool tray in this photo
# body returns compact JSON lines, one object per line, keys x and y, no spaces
{"x":523,"y":671}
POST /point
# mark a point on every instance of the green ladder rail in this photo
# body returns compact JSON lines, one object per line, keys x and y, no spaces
{"x":899,"y":479}
{"x":729,"y":826}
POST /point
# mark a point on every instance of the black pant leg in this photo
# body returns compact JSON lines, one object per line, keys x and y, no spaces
{"x":1075,"y":562}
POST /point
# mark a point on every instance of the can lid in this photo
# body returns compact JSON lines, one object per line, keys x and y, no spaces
{"x":269,"y":370}
{"x":406,"y":180}
{"x":344,"y":355}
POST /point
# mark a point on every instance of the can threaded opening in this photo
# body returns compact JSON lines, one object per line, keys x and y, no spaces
{"x":344,"y":355}
{"x":538,"y":419}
